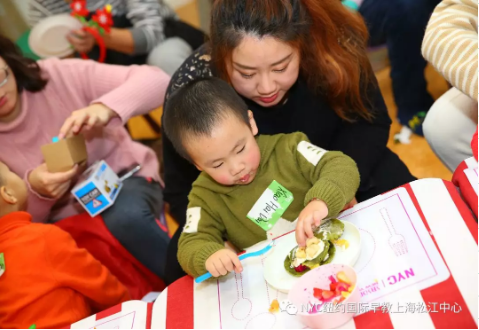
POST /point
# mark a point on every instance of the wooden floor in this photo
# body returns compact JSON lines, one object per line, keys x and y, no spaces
{"x":418,"y":156}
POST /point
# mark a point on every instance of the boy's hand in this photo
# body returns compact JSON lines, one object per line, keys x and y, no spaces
{"x":222,"y":262}
{"x":95,"y":115}
{"x":311,"y":216}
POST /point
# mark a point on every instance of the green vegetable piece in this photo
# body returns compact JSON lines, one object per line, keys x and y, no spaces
{"x":333,"y":229}
{"x":331,"y":252}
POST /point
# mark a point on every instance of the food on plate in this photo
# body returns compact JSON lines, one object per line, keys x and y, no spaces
{"x":274,"y":308}
{"x":342,"y":243}
{"x":319,"y":249}
{"x":340,"y":288}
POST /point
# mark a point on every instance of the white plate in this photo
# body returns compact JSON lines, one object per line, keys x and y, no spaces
{"x":280,"y":279}
{"x":48,"y":37}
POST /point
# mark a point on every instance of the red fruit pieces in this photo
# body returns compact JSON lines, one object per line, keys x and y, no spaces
{"x":339,"y":289}
{"x":300,"y":268}
{"x":317,"y":293}
{"x":341,"y":286}
{"x":332,"y":279}
{"x":333,"y":286}
{"x":343,"y":278}
{"x":328,"y":294}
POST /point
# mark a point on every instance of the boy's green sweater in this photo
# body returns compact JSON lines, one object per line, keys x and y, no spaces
{"x":217,"y":213}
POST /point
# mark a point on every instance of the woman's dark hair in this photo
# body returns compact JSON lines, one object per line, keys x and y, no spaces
{"x":331,"y":41}
{"x":26,"y":71}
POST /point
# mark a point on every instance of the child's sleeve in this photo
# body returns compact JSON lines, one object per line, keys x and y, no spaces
{"x":128,"y":90}
{"x":202,"y":234}
{"x":334,"y":176}
{"x":76,"y":268}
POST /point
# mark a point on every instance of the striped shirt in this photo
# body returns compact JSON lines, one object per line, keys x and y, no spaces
{"x":450,"y":43}
{"x":147,"y":17}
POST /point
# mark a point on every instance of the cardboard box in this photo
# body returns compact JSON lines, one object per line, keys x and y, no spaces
{"x":63,"y":155}
{"x":98,"y":188}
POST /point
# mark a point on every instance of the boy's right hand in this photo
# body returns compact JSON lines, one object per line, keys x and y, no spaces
{"x":51,"y":185}
{"x":222,"y":262}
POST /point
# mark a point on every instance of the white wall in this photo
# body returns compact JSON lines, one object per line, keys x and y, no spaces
{"x":12,"y":23}
{"x":178,"y":3}
{"x":22,"y":6}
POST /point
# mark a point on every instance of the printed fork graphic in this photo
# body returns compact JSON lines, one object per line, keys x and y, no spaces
{"x":396,"y":241}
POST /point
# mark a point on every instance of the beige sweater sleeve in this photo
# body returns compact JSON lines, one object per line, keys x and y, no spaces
{"x":450,"y":43}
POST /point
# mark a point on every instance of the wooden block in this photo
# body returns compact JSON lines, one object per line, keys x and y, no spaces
{"x":63,"y":155}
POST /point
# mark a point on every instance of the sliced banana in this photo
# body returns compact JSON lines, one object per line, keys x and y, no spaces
{"x":301,"y":253}
{"x":312,"y":250}
{"x":312,"y":240}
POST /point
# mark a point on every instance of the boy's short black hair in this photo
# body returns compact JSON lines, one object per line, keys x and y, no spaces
{"x":194,"y":109}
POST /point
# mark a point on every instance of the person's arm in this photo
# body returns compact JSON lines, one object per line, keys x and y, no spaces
{"x":127,"y":90}
{"x":148,"y":19}
{"x":202,"y":234}
{"x":45,"y":188}
{"x":365,"y":141}
{"x":450,"y":43}
{"x":334,"y":176}
{"x":120,"y":40}
{"x":38,"y":206}
{"x":76,"y":268}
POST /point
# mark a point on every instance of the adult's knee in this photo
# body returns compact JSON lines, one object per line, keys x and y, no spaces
{"x":170,"y":54}
{"x":449,"y":126}
{"x":436,"y":126}
{"x":123,"y":220}
{"x":429,"y":127}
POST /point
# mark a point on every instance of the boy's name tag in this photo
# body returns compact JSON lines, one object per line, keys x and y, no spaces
{"x":270,"y":206}
{"x":2,"y":264}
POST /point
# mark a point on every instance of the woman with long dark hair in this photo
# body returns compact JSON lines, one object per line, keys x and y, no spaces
{"x":40,"y":100}
{"x":300,"y":65}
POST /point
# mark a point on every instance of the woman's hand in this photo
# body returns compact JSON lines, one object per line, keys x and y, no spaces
{"x":51,"y":185}
{"x":82,"y":41}
{"x":95,"y":115}
{"x":310,"y":217}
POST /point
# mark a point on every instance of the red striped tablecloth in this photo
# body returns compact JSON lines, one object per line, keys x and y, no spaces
{"x":461,"y":180}
{"x":444,"y":214}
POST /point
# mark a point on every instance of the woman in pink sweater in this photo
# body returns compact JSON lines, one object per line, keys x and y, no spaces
{"x":63,"y":97}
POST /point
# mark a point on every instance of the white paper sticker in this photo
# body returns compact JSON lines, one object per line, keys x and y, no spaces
{"x":193,"y":216}
{"x":312,"y":153}
{"x":270,"y":206}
